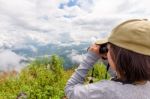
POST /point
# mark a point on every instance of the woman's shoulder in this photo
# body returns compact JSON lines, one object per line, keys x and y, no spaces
{"x":117,"y":85}
{"x":104,"y":85}
{"x":88,"y":91}
{"x":104,"y":89}
{"x":107,"y":89}
{"x":117,"y":90}
{"x":99,"y":89}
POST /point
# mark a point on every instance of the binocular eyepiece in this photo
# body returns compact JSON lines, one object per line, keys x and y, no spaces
{"x":103,"y":49}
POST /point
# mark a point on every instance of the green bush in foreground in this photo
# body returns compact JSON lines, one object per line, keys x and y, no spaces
{"x":99,"y":72}
{"x":44,"y":78}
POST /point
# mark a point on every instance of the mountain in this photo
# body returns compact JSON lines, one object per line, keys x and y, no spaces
{"x":66,"y":50}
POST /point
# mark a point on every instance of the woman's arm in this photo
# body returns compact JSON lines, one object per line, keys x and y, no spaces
{"x":75,"y":87}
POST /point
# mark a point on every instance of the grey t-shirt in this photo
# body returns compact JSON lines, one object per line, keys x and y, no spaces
{"x":105,"y":89}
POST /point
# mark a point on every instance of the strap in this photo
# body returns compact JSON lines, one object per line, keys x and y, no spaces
{"x":107,"y":71}
{"x":92,"y":75}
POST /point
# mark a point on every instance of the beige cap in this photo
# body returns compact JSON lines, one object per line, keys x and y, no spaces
{"x":133,"y":35}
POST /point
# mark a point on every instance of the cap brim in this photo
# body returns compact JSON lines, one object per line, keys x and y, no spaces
{"x":102,"y":41}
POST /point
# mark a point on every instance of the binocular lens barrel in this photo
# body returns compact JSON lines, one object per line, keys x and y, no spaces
{"x":103,"y":49}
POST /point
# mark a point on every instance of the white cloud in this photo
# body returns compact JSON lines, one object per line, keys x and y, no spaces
{"x":106,"y":14}
{"x":75,"y":57}
{"x":43,"y":21}
{"x":10,"y":61}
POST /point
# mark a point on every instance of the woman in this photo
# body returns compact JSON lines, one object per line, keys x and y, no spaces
{"x":128,"y":55}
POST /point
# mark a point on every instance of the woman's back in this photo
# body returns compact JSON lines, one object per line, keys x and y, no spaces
{"x":116,"y":90}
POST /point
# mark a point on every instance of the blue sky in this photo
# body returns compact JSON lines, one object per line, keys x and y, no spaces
{"x":70,"y":3}
{"x":24,"y":22}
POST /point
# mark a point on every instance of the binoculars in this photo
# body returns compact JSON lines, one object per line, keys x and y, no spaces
{"x":103,"y":48}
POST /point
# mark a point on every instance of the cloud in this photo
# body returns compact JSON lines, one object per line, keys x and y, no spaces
{"x":75,"y":57}
{"x":64,"y":44}
{"x":106,"y":14}
{"x":10,"y":61}
{"x":23,"y":21}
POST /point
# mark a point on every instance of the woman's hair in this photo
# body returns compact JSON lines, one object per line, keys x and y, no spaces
{"x":130,"y":65}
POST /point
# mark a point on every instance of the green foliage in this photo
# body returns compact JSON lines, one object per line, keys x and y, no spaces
{"x":99,"y":72}
{"x":44,"y":78}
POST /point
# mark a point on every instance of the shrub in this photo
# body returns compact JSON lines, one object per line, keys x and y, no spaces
{"x":44,"y":78}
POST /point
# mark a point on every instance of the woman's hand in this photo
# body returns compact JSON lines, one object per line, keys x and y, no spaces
{"x":95,"y":48}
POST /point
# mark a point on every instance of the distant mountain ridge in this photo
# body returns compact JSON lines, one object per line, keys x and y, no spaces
{"x":64,"y":50}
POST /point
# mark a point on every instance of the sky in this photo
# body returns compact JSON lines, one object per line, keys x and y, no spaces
{"x":42,"y":22}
